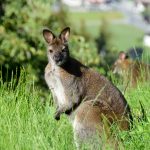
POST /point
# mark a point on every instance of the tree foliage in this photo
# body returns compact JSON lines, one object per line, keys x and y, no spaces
{"x":21,"y":41}
{"x":104,"y":47}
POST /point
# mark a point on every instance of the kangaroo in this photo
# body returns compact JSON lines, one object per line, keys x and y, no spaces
{"x":81,"y":92}
{"x":132,"y":71}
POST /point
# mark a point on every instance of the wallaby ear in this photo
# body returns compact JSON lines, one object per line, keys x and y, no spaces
{"x":48,"y":36}
{"x":122,"y":55}
{"x":64,"y":35}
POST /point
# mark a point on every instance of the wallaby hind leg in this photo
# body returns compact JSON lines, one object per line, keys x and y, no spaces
{"x":89,"y":128}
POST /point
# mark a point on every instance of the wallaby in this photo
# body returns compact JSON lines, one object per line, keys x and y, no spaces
{"x":132,"y":71}
{"x":80,"y":92}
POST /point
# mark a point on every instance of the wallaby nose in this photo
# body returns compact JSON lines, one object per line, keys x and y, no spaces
{"x":58,"y":57}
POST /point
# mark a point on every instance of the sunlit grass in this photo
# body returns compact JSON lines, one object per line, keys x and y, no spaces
{"x":92,"y":19}
{"x":123,"y":36}
{"x":27,"y":123}
{"x":95,"y":15}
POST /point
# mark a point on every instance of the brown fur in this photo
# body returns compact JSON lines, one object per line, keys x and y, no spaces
{"x":132,"y":71}
{"x":88,"y":95}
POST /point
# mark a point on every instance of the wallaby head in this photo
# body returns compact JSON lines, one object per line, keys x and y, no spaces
{"x":57,"y":51}
{"x":131,"y":70}
{"x":121,"y":64}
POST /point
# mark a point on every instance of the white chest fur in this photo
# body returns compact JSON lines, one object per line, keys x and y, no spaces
{"x":55,"y":84}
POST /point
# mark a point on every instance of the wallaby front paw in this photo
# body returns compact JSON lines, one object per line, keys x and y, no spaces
{"x":68,"y":112}
{"x":57,"y":116}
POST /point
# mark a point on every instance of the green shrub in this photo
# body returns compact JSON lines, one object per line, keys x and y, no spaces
{"x":21,"y":40}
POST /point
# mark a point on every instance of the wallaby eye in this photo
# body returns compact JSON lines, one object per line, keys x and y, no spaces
{"x":50,"y":51}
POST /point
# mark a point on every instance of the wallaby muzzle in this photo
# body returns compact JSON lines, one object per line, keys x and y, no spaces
{"x":60,"y":59}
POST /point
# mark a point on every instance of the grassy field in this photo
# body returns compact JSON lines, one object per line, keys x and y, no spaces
{"x":28,"y":124}
{"x":93,"y":21}
{"x":123,"y":36}
{"x":93,"y":16}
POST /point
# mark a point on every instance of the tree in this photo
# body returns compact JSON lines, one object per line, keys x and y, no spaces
{"x":21,"y":41}
{"x":104,"y":47}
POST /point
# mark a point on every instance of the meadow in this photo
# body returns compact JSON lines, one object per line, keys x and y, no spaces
{"x":123,"y":36}
{"x":27,"y":120}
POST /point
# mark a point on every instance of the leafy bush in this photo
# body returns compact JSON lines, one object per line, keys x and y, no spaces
{"x":84,"y":51}
{"x":21,"y":41}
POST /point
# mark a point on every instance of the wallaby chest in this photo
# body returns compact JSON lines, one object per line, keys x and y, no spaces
{"x":65,"y":87}
{"x":54,"y":81}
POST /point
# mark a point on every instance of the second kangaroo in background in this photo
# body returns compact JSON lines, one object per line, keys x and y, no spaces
{"x":82,"y":93}
{"x":132,"y":71}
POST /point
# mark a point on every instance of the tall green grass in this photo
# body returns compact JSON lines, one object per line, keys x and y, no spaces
{"x":26,"y":123}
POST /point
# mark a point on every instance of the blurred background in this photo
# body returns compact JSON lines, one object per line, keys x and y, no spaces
{"x":99,"y":30}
